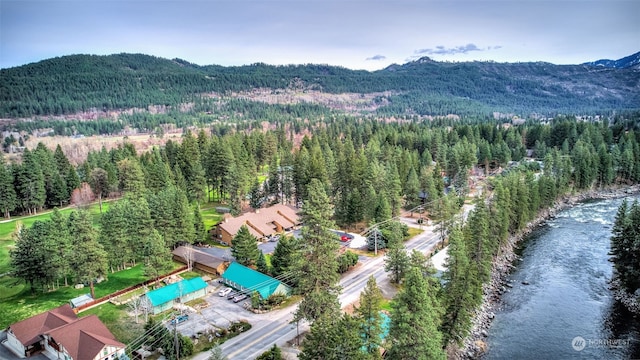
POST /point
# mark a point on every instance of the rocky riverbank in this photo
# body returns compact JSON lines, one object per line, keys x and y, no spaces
{"x":474,"y":345}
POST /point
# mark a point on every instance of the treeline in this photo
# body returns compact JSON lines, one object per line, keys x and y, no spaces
{"x":77,"y":83}
{"x":369,"y":167}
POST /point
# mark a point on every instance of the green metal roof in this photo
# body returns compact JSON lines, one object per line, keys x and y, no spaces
{"x":173,"y":291}
{"x":252,"y":280}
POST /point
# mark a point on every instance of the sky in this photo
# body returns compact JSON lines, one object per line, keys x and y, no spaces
{"x":357,"y":34}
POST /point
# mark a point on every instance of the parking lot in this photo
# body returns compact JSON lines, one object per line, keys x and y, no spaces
{"x":219,"y":314}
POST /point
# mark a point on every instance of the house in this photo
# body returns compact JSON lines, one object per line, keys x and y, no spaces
{"x":200,"y":260}
{"x":60,"y":334}
{"x":163,"y":299}
{"x":248,"y":280}
{"x":262,"y":224}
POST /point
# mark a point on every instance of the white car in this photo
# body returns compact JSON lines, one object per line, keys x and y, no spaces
{"x":224,"y":292}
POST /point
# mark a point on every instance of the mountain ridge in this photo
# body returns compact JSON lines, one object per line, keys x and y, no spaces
{"x":76,"y":83}
{"x":631,"y":61}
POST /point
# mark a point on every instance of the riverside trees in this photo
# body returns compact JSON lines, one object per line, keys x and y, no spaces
{"x":625,"y":246}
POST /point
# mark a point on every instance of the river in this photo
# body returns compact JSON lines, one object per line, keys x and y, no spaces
{"x":566,"y":311}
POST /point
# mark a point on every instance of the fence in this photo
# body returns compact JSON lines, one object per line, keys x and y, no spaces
{"x":106,"y":298}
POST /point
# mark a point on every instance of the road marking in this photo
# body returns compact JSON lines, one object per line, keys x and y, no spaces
{"x":255,"y":341}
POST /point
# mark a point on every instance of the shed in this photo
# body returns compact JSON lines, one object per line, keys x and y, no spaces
{"x":249,"y":280}
{"x":186,"y":290}
{"x":80,"y":300}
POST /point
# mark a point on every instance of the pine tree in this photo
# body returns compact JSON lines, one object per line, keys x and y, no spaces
{"x":625,"y":246}
{"x":396,"y":259}
{"x":284,"y":257}
{"x":375,"y":240}
{"x":59,"y":231}
{"x":131,"y":176}
{"x":261,"y":264}
{"x":317,"y":271}
{"x":413,"y":333}
{"x":30,"y":183}
{"x":30,"y":259}
{"x":89,"y":258}
{"x":198,"y":225}
{"x":411,"y":190}
{"x":370,"y":317}
{"x":99,"y":181}
{"x":458,"y":302}
{"x":8,"y":199}
{"x":274,"y":353}
{"x":157,"y":257}
{"x":115,"y":236}
{"x":244,"y":247}
{"x":333,"y":338}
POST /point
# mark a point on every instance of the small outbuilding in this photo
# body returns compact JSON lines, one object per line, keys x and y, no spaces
{"x":200,"y":259}
{"x":163,"y":299}
{"x":248,"y":280}
{"x":80,"y":300}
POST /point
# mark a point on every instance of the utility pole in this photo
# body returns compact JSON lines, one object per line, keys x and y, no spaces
{"x":177,"y":344}
{"x":375,"y":241}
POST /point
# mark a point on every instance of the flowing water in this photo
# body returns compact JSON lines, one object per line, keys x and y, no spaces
{"x":567,"y":310}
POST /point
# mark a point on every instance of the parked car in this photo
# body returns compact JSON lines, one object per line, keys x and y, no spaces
{"x":224,"y":292}
{"x":232,"y":295}
{"x":344,"y":237}
{"x":179,"y":319}
{"x":240,"y":298}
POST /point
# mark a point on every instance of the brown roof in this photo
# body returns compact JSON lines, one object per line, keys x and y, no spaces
{"x":288,"y":213}
{"x":199,"y":257}
{"x":28,"y":331}
{"x":84,"y":338}
{"x":261,"y":223}
{"x":233,"y":225}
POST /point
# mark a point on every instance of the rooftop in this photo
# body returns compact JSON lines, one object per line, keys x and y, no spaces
{"x":251,"y":279}
{"x":175,"y":290}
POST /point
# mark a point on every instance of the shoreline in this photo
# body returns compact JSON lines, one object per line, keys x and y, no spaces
{"x":474,"y":345}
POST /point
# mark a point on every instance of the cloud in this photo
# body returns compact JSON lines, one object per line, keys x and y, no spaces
{"x":376,"y":58}
{"x":443,"y":50}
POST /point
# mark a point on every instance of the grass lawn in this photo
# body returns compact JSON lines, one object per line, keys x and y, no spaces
{"x":210,"y":216}
{"x":267,"y":258}
{"x":18,"y":303}
{"x":414,"y":232}
{"x":386,"y":305}
{"x":116,"y":319}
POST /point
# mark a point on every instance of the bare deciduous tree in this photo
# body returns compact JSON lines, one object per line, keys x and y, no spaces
{"x":136,"y":305}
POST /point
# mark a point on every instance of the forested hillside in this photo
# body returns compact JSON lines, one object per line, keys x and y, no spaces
{"x":78,"y":83}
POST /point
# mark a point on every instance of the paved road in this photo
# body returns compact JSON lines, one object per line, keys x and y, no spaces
{"x":275,"y":327}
